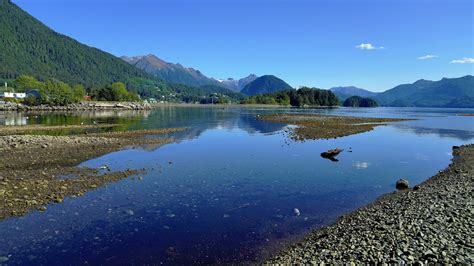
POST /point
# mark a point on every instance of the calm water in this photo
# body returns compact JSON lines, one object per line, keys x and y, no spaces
{"x":231,"y":190}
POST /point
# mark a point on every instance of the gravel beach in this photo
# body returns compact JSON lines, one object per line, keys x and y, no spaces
{"x":426,"y":224}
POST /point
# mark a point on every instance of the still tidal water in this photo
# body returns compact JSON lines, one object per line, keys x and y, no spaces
{"x":226,"y":189}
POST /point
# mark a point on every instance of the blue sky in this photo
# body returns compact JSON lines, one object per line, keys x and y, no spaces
{"x":373,"y":44}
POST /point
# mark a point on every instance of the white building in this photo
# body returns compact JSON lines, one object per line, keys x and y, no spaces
{"x":14,"y":95}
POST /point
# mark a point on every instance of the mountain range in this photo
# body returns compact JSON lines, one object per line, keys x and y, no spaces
{"x":28,"y":47}
{"x":174,"y":73}
{"x":447,"y":92}
{"x":177,"y":73}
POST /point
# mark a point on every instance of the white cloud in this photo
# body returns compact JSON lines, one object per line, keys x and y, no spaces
{"x":368,"y":46}
{"x":428,"y":56}
{"x":465,"y":60}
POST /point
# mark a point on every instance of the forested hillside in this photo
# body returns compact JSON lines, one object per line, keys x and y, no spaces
{"x":265,"y":84}
{"x":447,"y":92}
{"x":28,"y":47}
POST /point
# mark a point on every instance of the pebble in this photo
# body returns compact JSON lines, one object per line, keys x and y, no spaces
{"x":297,"y":212}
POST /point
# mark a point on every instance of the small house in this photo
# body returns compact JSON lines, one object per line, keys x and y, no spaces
{"x":13,"y":95}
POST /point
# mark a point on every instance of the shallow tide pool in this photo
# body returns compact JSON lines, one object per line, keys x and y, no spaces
{"x":226,"y":190}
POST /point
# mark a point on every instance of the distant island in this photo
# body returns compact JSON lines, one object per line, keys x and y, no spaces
{"x":357,"y":101}
{"x":298,"y":98}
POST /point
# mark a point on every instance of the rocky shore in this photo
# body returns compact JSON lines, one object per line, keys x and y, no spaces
{"x":11,"y":106}
{"x":430,"y":223}
{"x":32,"y":167}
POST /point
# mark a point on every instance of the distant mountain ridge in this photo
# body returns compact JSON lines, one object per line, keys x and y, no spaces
{"x":174,"y":73}
{"x":179,"y":74}
{"x":447,"y":92}
{"x":265,"y":84}
{"x":345,"y":92}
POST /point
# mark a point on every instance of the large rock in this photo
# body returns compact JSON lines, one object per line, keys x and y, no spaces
{"x":402,"y":184}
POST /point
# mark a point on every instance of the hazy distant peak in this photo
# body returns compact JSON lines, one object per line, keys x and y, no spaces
{"x":346,"y":91}
{"x":238,"y":84}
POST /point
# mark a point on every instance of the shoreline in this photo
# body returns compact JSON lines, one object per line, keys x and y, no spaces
{"x":98,"y":106}
{"x":81,"y":106}
{"x":429,"y":224}
{"x":103,"y":106}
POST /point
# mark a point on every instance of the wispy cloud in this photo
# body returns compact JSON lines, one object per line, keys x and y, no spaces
{"x":368,"y":46}
{"x":426,"y":57}
{"x":465,"y":60}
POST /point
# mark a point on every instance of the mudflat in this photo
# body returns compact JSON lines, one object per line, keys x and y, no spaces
{"x":33,"y":167}
{"x":313,"y":127}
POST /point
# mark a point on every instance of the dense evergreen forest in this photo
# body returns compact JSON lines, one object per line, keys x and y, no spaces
{"x":357,"y":101}
{"x":301,"y":97}
{"x":28,"y":47}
